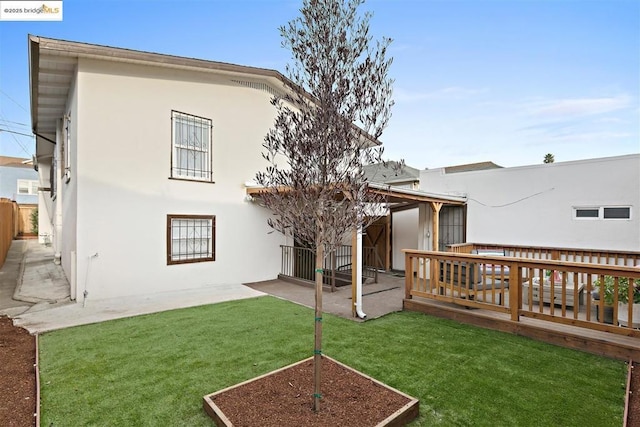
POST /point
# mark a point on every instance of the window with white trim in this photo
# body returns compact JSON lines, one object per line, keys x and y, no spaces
{"x":602,"y":212}
{"x":191,"y":238}
{"x":27,"y":186}
{"x":191,"y":154}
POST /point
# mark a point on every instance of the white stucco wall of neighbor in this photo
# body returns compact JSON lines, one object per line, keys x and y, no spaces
{"x":404,"y":235}
{"x":535,"y":205}
{"x":124,"y":194}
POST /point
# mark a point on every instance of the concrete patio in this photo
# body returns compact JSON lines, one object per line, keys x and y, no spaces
{"x":34,"y":292}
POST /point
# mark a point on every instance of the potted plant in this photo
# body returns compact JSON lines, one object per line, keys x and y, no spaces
{"x":605,"y":313}
{"x":608,"y":290}
{"x":624,"y":305}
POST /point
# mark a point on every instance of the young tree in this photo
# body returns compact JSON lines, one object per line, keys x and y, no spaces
{"x":548,"y":158}
{"x":326,"y":129}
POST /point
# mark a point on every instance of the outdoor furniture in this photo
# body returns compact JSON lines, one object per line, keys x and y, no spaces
{"x":493,"y":269}
{"x":557,"y":292}
{"x":467,"y":280}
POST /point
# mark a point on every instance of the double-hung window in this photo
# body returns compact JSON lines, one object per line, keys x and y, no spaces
{"x":191,"y":156}
{"x":191,"y":238}
{"x":27,"y":186}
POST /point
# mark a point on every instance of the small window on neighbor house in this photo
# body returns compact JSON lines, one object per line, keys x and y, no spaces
{"x":613,"y":212}
{"x":191,"y":238}
{"x":191,"y":156}
{"x":587,"y":212}
{"x":617,"y":213}
{"x":27,"y":186}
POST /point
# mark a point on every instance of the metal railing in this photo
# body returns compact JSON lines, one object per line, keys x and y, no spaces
{"x":299,"y":262}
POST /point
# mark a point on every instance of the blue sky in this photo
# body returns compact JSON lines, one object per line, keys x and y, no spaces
{"x":506,"y":81}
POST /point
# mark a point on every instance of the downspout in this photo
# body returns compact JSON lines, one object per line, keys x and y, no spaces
{"x":85,"y":294}
{"x":358,"y":301}
{"x":58,"y":201}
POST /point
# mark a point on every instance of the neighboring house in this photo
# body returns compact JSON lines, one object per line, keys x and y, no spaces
{"x":18,"y":180}
{"x":393,"y":174}
{"x":146,"y":156}
{"x":588,"y":204}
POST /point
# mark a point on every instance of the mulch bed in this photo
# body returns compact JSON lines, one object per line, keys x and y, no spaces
{"x":285,"y":398}
{"x":17,"y":375}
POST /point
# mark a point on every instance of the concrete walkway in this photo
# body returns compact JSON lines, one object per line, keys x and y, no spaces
{"x":34,"y":292}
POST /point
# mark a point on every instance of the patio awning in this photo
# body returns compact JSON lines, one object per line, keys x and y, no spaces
{"x":394,"y":195}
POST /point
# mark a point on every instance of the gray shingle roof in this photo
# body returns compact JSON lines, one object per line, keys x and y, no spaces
{"x":389,"y":174}
{"x":471,"y":167}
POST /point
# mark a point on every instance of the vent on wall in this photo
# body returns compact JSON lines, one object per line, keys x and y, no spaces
{"x":259,"y":86}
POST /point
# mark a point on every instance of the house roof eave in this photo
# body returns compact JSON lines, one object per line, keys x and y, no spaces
{"x":69,"y":51}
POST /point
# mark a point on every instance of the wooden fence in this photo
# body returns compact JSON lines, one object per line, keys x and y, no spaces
{"x":551,"y":290}
{"x":25,"y":227}
{"x":9,"y":226}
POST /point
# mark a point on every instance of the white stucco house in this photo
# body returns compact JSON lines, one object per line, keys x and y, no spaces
{"x":588,"y":204}
{"x":145,"y":157}
{"x":583,"y":204}
{"x":148,"y":160}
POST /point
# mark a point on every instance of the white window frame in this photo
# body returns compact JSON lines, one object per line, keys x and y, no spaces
{"x":600,"y":215}
{"x":30,"y":184}
{"x":191,"y":148}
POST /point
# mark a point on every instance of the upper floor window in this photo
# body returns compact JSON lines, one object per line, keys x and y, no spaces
{"x":191,"y":157}
{"x":27,"y":186}
{"x":602,"y":212}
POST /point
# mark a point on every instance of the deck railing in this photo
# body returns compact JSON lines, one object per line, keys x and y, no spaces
{"x":591,"y":256}
{"x":299,"y":263}
{"x":555,"y":291}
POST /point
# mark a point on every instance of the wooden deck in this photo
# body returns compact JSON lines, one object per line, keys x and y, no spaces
{"x":598,"y":342}
{"x":470,"y":288}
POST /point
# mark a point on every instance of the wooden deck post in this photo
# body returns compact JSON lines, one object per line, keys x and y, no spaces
{"x":388,"y":248}
{"x":435,"y":223}
{"x":515,"y":287}
{"x":408,"y":275}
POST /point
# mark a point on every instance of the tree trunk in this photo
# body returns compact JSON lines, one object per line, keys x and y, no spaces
{"x":317,"y":352}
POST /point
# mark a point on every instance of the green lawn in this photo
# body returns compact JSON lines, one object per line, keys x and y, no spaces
{"x":153,"y":370}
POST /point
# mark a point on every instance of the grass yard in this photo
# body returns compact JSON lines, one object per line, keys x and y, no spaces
{"x":153,"y":370}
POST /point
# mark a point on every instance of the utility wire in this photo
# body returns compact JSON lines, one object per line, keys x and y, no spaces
{"x":10,"y":132}
{"x":17,"y":133}
{"x":13,"y":100}
{"x":515,"y":201}
{"x":15,"y":123}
